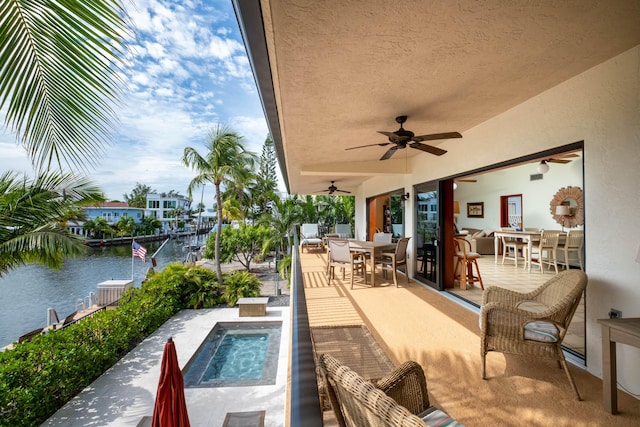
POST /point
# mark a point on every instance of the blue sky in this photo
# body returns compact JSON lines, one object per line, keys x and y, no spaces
{"x":186,"y":72}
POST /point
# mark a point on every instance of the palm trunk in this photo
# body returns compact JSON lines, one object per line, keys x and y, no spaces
{"x":218,"y":232}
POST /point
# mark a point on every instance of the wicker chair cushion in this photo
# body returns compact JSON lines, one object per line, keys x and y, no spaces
{"x":435,"y":417}
{"x":541,"y":331}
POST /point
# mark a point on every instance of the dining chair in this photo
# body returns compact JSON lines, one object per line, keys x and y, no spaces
{"x":511,"y":247}
{"x":544,"y":252}
{"x":340,"y":255}
{"x":573,"y":243}
{"x":383,"y":237}
{"x":466,"y":262}
{"x":393,"y":260}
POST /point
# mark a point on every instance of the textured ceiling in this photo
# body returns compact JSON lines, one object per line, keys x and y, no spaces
{"x":344,"y":69}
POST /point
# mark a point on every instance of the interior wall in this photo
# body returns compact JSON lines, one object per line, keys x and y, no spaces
{"x":536,"y":195}
{"x":600,"y":107}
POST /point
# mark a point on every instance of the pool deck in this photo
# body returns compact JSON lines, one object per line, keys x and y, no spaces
{"x":125,"y":394}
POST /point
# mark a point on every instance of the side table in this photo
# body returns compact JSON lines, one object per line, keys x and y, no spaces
{"x":625,"y":331}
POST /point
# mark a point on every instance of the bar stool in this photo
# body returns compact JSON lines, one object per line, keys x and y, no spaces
{"x":467,"y":260}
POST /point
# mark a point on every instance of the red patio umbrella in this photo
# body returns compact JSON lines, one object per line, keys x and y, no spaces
{"x":170,"y":409}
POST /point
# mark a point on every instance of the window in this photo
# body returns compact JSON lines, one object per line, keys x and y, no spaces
{"x":169,"y":204}
{"x":154,"y":204}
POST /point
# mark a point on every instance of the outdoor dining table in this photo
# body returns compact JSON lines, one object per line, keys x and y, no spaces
{"x":373,"y":249}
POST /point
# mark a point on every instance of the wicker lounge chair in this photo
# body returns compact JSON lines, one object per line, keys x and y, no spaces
{"x":531,"y":324}
{"x":399,"y":399}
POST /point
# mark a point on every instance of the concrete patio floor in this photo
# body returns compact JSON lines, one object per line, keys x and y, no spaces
{"x":126,"y":392}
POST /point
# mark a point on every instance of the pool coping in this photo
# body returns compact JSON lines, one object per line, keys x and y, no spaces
{"x":126,"y":392}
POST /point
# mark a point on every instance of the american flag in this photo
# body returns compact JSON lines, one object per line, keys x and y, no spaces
{"x":139,"y":250}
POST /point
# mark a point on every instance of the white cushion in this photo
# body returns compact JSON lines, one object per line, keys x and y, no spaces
{"x":541,"y":331}
{"x":310,"y":235}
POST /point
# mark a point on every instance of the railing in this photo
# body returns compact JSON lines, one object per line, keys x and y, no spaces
{"x":304,"y":400}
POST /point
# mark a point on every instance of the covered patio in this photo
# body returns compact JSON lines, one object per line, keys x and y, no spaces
{"x":522,"y":83}
{"x":414,"y":322}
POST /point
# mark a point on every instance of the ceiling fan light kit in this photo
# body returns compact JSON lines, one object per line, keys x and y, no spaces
{"x":403,"y":138}
{"x":543,"y":167}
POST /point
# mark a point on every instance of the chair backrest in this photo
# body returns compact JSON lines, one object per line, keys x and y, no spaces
{"x":360,"y":403}
{"x":561,"y":295}
{"x":575,"y":239}
{"x":309,"y":231}
{"x":401,"y":249}
{"x":383,"y":237}
{"x":462,"y":247}
{"x":339,"y":250}
{"x":549,"y":239}
{"x":344,"y":230}
{"x":508,"y":239}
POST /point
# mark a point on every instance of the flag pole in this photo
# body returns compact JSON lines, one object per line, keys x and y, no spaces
{"x":132,"y":257}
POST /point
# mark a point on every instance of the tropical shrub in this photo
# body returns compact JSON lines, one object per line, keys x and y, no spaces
{"x":38,"y":377}
{"x":240,"y":284}
{"x":241,"y":244}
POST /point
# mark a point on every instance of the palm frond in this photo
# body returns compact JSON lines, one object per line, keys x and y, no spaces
{"x":58,"y":76}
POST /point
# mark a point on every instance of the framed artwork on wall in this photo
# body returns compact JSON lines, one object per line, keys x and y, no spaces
{"x":475,"y":210}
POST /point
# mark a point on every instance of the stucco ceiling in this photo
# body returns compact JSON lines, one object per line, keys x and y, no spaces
{"x":342,"y":70}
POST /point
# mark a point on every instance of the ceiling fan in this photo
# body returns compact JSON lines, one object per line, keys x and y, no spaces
{"x":403,"y":138}
{"x":543,"y":167}
{"x":561,"y":159}
{"x":332,"y":189}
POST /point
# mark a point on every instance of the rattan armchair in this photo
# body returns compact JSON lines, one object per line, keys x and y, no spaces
{"x":399,"y":399}
{"x":531,"y":324}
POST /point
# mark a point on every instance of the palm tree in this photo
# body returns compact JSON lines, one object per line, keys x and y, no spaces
{"x":59,"y":67}
{"x":283,"y":216}
{"x":225,"y":160}
{"x":30,"y":213}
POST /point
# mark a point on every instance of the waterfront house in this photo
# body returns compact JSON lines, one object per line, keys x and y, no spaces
{"x":169,"y":209}
{"x":526,"y":84}
{"x":111,"y":212}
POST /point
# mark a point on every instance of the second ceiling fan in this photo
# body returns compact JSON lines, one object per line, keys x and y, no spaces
{"x":403,"y":138}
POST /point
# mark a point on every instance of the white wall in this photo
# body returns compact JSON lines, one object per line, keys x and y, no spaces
{"x":602,"y":108}
{"x":536,"y":195}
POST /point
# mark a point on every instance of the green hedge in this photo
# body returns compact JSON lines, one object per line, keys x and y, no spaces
{"x":40,"y":376}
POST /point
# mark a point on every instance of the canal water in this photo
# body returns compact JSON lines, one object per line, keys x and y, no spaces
{"x":28,"y":291}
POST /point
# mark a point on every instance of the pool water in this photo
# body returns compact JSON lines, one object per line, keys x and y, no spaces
{"x":236,"y":354}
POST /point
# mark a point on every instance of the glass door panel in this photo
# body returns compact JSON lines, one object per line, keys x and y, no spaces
{"x":427,"y":234}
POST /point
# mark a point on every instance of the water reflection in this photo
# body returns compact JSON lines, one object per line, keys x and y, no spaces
{"x":27,"y":292}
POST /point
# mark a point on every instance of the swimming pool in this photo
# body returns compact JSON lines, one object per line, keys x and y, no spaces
{"x":236,"y":354}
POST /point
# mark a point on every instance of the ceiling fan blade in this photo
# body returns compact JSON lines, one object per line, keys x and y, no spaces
{"x":434,"y":136}
{"x":391,"y":135}
{"x":390,"y":152}
{"x":428,"y":148}
{"x":369,"y":145}
{"x":466,"y":180}
{"x":344,"y":191}
{"x":558,"y":161}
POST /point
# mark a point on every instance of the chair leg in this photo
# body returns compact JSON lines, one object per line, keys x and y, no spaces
{"x":475,"y":262}
{"x":483,"y":358}
{"x":573,"y":384}
{"x":395,"y":276}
